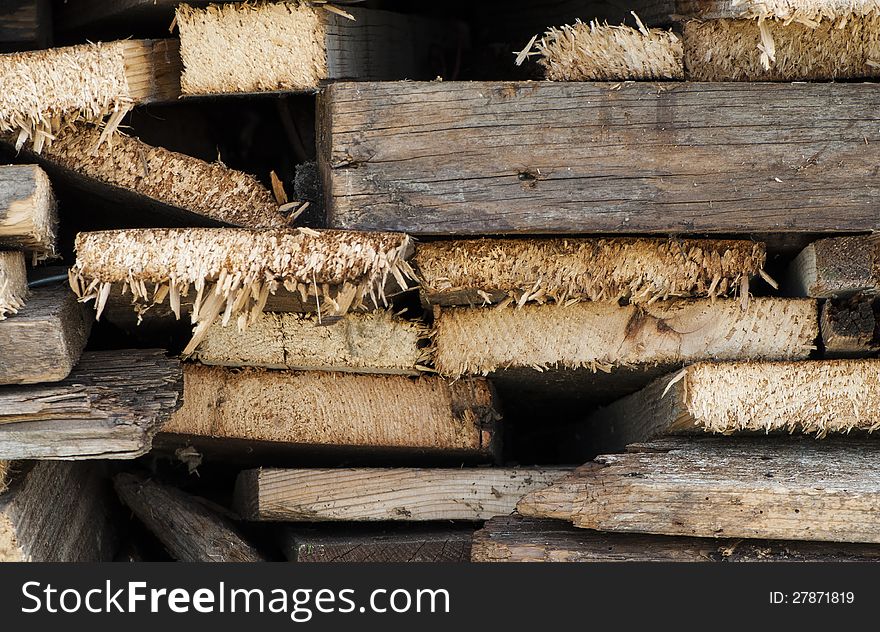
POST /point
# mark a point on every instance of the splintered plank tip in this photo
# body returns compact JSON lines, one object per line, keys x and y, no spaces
{"x":28,"y":211}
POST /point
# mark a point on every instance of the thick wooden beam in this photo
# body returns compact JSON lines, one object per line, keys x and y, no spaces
{"x":518,"y":539}
{"x":596,"y":335}
{"x":295,"y":46}
{"x":109,"y":407}
{"x":313,"y":409}
{"x":748,"y":488}
{"x":25,"y":24}
{"x":567,"y":158}
{"x":375,"y":494}
{"x":837,"y":266}
{"x":850,"y":326}
{"x":389,"y":544}
{"x":189,"y":528}
{"x":817,"y":397}
{"x":28,"y":216}
{"x":43,"y":342}
{"x":13,"y":283}
{"x":478,"y":272}
{"x":374,"y":342}
{"x":56,"y":512}
{"x":126,"y":174}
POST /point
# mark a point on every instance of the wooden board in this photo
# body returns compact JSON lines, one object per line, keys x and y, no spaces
{"x":551,"y":157}
{"x":388,"y":544}
{"x":189,"y":528}
{"x":13,"y":283}
{"x":56,"y":512}
{"x":837,"y":266}
{"x":850,"y":326}
{"x":374,"y":342}
{"x":109,"y":407}
{"x":518,"y":539}
{"x":120,"y":17}
{"x":295,"y":47}
{"x":776,"y":488}
{"x":371,"y":494}
{"x":25,"y":24}
{"x":480,"y":341}
{"x":43,"y":342}
{"x":312,"y":409}
{"x":28,"y":215}
{"x":816,"y":397}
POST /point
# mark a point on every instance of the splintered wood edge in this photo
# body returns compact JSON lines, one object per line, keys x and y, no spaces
{"x":13,"y":283}
{"x":30,"y":222}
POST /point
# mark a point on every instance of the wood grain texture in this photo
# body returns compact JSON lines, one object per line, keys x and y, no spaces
{"x":56,"y":512}
{"x":490,"y":158}
{"x":25,"y":24}
{"x":779,"y":488}
{"x":850,"y":326}
{"x":837,"y":266}
{"x":43,"y":342}
{"x":28,"y":215}
{"x":388,"y":544}
{"x":397,"y":494}
{"x":186,"y":525}
{"x":313,"y":409}
{"x":517,"y":539}
{"x":109,"y":407}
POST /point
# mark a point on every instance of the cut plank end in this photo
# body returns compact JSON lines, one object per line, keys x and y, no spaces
{"x":13,"y":283}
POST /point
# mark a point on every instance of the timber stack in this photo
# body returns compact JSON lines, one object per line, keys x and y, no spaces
{"x":338,"y":282}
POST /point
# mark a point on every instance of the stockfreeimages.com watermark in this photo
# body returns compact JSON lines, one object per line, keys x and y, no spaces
{"x":300,"y":604}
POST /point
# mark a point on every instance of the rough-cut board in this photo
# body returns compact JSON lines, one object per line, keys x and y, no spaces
{"x":131,"y":176}
{"x":850,"y":326}
{"x":43,"y":342}
{"x":518,"y":539}
{"x":371,"y":494}
{"x":775,"y":488}
{"x":814,"y":396}
{"x":390,"y":544}
{"x":311,"y":409}
{"x":837,"y":266}
{"x":477,"y":272}
{"x":548,"y":157}
{"x":56,"y":512}
{"x":25,"y":24}
{"x":374,"y":342}
{"x":13,"y":283}
{"x":480,"y":341}
{"x":109,"y":407}
{"x":188,"y":526}
{"x":295,"y":46}
{"x":28,"y":217}
{"x":47,"y":91}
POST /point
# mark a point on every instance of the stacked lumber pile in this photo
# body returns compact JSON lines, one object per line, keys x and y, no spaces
{"x":278,"y":285}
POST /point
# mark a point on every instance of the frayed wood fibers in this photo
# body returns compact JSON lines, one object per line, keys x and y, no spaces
{"x":563,"y":270}
{"x":208,"y":189}
{"x":13,"y":283}
{"x":4,"y":475}
{"x":597,"y":52}
{"x":234,"y":271}
{"x":807,"y":12}
{"x":819,"y":397}
{"x":602,"y":336}
{"x":771,"y":50}
{"x":251,"y":47}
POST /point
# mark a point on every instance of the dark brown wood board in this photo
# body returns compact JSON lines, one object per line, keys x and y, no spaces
{"x":391,"y":544}
{"x":25,"y":24}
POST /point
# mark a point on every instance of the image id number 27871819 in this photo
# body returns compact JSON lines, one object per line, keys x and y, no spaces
{"x":810,"y":597}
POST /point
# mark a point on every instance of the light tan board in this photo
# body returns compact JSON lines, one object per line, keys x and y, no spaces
{"x":476,"y":272}
{"x":314,"y":409}
{"x":837,"y":266}
{"x":518,"y":539}
{"x":294,"y":46}
{"x":815,"y":397}
{"x":129,"y":174}
{"x":850,"y":326}
{"x":43,"y":342}
{"x":46,"y":91}
{"x":373,"y":342}
{"x":28,"y":216}
{"x":479,"y":341}
{"x":402,"y":494}
{"x":109,"y":407}
{"x":56,"y":512}
{"x":13,"y":283}
{"x":775,"y":488}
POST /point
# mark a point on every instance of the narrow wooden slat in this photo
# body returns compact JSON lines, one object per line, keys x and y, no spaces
{"x":389,"y":544}
{"x":837,"y":266}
